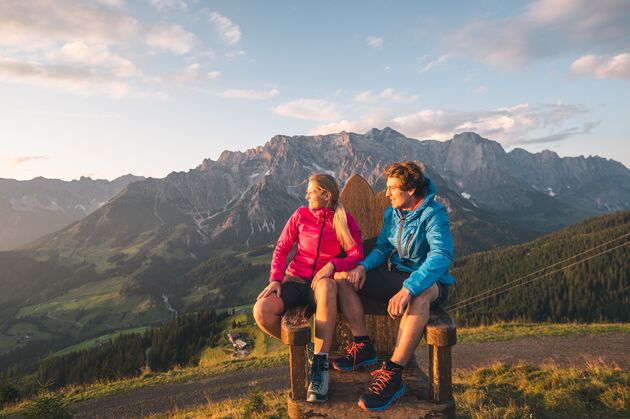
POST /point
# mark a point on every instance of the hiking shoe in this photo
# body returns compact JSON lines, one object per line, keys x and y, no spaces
{"x":318,"y":387}
{"x":357,"y":355}
{"x":387,"y":386}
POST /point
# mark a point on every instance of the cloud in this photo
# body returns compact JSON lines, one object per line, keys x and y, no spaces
{"x":519,"y":124}
{"x":387,"y":94}
{"x":374,"y":42}
{"x":37,"y":24}
{"x":603,"y":66}
{"x":233,"y":55}
{"x":170,"y":5}
{"x":441,"y":60}
{"x":192,"y":74}
{"x":19,"y":160}
{"x":227,"y":31}
{"x":250,"y":94}
{"x":82,"y":81}
{"x":308,"y":109}
{"x":545,"y":29}
{"x":172,"y":38}
{"x":98,"y":55}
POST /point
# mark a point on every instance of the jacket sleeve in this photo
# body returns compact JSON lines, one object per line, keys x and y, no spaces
{"x":383,"y":248}
{"x":439,"y":257}
{"x":354,"y":255}
{"x":283,"y":247}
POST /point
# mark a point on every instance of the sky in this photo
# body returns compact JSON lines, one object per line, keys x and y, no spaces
{"x":103,"y":88}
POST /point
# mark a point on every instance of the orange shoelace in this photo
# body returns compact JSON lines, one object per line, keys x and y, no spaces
{"x":381,"y":378}
{"x":353,"y":350}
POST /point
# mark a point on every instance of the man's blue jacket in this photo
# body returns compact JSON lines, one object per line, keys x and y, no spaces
{"x":419,"y":241}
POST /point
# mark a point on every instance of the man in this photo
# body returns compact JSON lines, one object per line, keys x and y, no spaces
{"x":416,"y":238}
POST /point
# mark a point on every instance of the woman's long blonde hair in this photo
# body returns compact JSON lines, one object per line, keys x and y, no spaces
{"x":328,"y":183}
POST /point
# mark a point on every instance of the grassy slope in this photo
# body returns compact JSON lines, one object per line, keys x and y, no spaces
{"x":270,"y":352}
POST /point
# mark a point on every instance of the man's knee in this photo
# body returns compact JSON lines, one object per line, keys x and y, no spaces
{"x":344,"y":287}
{"x":422,"y":303}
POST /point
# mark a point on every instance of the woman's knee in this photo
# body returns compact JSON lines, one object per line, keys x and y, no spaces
{"x":326,"y":286}
{"x":266,"y":310}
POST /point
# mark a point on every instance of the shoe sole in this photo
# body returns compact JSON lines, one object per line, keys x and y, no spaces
{"x":314,"y":398}
{"x":387,"y":405}
{"x":366,"y":363}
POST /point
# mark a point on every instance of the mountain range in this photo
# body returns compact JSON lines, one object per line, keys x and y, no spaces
{"x":203,"y":237}
{"x":30,"y":209}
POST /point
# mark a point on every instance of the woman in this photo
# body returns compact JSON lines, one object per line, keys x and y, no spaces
{"x":322,"y":230}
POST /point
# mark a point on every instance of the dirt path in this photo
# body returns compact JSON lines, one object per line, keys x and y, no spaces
{"x":560,"y":350}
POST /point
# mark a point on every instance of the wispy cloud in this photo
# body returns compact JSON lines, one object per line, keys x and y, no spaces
{"x":172,"y":38}
{"x":83,"y":81}
{"x":170,"y":5}
{"x":308,"y":109}
{"x":519,"y":124}
{"x":227,"y":31}
{"x":603,"y":66}
{"x":97,"y":55}
{"x":20,"y":160}
{"x":233,"y":55}
{"x":374,"y":42}
{"x":387,"y":94}
{"x":193,"y":74}
{"x":250,"y":94}
{"x":41,"y":23}
{"x":439,"y":61}
{"x":546,"y":28}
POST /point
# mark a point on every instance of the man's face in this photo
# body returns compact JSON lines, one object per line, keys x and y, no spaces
{"x":398,"y":197}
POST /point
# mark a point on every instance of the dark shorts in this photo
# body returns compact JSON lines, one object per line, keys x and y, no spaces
{"x":296,"y":291}
{"x":381,"y":285}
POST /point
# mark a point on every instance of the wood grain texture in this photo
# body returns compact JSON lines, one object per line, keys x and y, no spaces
{"x":440,"y":374}
{"x":295,"y":328}
{"x":297,"y":360}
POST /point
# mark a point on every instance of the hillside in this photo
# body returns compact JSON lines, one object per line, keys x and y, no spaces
{"x":591,"y":290}
{"x":202,"y":238}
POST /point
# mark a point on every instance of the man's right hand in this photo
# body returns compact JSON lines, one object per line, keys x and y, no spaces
{"x":273,"y":287}
{"x":357,"y":277}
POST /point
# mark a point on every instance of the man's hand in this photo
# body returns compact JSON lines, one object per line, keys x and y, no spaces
{"x":357,"y":277}
{"x":273,"y":287}
{"x":326,"y":271}
{"x":398,"y":302}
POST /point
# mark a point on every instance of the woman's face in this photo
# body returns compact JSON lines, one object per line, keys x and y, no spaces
{"x":316,"y":197}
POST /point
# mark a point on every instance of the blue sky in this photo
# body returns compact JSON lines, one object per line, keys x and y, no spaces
{"x":108,"y":87}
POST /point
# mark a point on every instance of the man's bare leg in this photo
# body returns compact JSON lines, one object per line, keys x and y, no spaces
{"x":412,"y":325}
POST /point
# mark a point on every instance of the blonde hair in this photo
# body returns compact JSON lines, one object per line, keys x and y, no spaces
{"x":328,"y":183}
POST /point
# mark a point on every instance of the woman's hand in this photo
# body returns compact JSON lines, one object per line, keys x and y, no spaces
{"x":326,"y":271}
{"x":273,"y":287}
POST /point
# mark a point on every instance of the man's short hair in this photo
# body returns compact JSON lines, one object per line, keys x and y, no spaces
{"x":410,"y":175}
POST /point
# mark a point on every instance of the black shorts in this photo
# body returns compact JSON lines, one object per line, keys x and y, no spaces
{"x":296,"y":291}
{"x":381,"y":285}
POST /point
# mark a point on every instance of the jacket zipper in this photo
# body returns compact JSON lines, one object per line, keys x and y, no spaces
{"x":319,"y":242}
{"x":402,"y":222}
{"x":407,"y":245}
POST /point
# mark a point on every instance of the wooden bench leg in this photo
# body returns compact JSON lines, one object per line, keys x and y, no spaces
{"x":440,"y":373}
{"x":298,"y":371}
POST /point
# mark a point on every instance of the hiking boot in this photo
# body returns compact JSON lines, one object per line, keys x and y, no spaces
{"x":387,"y":386}
{"x":357,"y":355}
{"x":318,"y":387}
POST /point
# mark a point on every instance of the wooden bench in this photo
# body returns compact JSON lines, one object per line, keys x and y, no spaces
{"x":426,"y":396}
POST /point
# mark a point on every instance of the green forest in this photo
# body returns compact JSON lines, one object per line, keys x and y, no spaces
{"x":520,"y":283}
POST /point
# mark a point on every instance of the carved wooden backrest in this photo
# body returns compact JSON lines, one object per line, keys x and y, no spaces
{"x":366,"y":207}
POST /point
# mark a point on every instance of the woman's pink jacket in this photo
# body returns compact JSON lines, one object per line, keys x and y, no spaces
{"x":317,"y":245}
